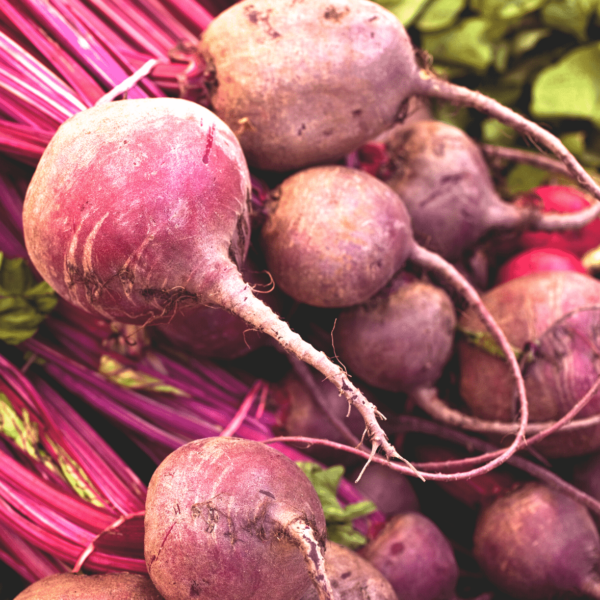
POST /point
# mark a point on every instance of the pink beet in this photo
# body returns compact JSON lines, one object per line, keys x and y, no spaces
{"x":536,"y":260}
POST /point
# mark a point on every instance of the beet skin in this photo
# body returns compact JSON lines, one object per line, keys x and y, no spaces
{"x":220,"y":521}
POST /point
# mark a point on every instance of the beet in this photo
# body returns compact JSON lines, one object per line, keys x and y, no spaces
{"x":107,"y":586}
{"x":400,"y":339}
{"x":233,"y":519}
{"x":554,"y":318}
{"x":334,"y":236}
{"x":139,"y":208}
{"x":304,"y":83}
{"x":413,"y":554}
{"x":536,"y":260}
{"x":352,"y":577}
{"x":536,"y":544}
{"x":442,"y":176}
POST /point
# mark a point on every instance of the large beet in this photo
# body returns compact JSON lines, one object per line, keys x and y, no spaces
{"x":352,"y":577}
{"x":233,"y":519}
{"x":537,"y":544}
{"x":554,"y":317}
{"x":416,"y":558}
{"x":107,"y":586}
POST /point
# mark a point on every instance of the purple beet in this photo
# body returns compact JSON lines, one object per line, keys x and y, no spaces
{"x":352,"y":577}
{"x":303,"y":83}
{"x":236,"y":520}
{"x":400,"y":339}
{"x":537,"y":544}
{"x":552,"y":317}
{"x":415,"y":557}
{"x":139,"y":209}
{"x":107,"y":586}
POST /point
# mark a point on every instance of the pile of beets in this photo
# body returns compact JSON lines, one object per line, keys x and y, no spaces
{"x":310,"y":210}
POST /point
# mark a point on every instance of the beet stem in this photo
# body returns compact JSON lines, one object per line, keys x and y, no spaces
{"x":236,"y":296}
{"x":128,"y":83}
{"x":305,"y":536}
{"x":427,"y":399}
{"x":434,"y":87}
{"x":434,"y":262}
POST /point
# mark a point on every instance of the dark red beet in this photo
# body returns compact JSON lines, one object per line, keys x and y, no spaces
{"x":554,"y":317}
{"x":400,"y":339}
{"x":537,"y":544}
{"x":415,"y":557}
{"x":236,"y":520}
{"x":139,"y":208}
{"x":536,"y":260}
{"x":561,"y":199}
{"x":108,"y":586}
{"x":352,"y":577}
{"x":442,"y":176}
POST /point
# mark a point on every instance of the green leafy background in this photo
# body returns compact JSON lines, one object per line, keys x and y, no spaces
{"x":540,"y":57}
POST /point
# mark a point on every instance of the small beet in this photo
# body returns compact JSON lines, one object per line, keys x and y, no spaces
{"x":553,"y":317}
{"x":415,"y":557}
{"x":536,"y":260}
{"x":400,"y":339}
{"x":236,"y":520}
{"x":537,"y":544}
{"x":334,"y":236}
{"x":442,"y":176}
{"x":352,"y":577}
{"x":107,"y":586}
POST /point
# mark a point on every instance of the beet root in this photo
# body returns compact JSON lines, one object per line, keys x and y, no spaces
{"x":139,"y":208}
{"x":400,"y":339}
{"x":334,"y":236}
{"x":352,"y":577}
{"x":553,"y":318}
{"x":442,"y":176}
{"x":537,"y":543}
{"x":335,"y":96}
{"x":106,"y":586}
{"x":413,"y":554}
{"x":233,"y":519}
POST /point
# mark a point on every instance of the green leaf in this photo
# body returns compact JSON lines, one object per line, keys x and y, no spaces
{"x":526,"y":40}
{"x":506,"y":9}
{"x":570,"y":16}
{"x":24,"y":303}
{"x":467,"y":43}
{"x":501,"y":56}
{"x":523,"y":178}
{"x":405,"y":10}
{"x":440,"y":14}
{"x":494,"y":132}
{"x":570,"y":88}
{"x":138,"y":380}
{"x":338,"y":518}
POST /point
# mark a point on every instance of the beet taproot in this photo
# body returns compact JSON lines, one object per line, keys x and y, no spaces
{"x":352,"y":577}
{"x":233,"y":519}
{"x":553,"y":319}
{"x":536,"y":544}
{"x":105,"y":586}
{"x":139,"y":208}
